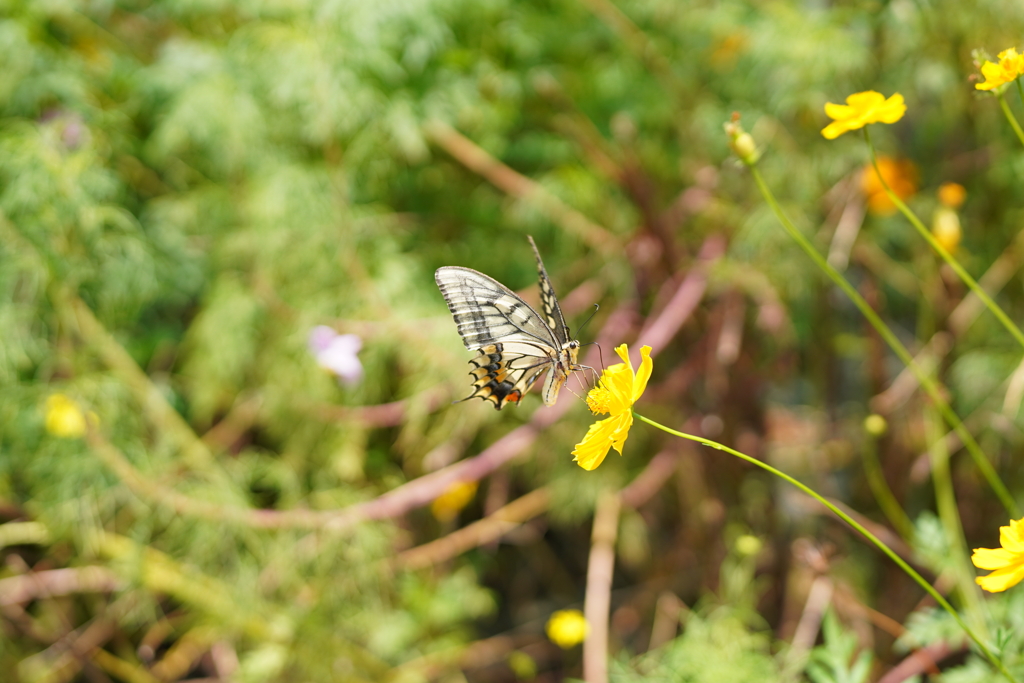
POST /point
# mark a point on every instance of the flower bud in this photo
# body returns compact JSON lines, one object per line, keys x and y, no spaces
{"x":875,"y":425}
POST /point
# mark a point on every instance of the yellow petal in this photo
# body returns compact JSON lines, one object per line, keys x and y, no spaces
{"x":643,"y":374}
{"x":623,"y":423}
{"x":1010,"y":537}
{"x":595,"y":445}
{"x":835,"y":129}
{"x":623,"y":351}
{"x":891,"y":111}
{"x":862,"y":101}
{"x":838,"y":111}
{"x":993,"y":558}
{"x":618,"y":379}
{"x":1000,"y":580}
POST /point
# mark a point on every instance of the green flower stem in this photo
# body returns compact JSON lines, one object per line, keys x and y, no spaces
{"x":1009,"y":115}
{"x":929,"y":385}
{"x":949,"y":515}
{"x":1020,"y":90}
{"x":946,"y":256}
{"x":857,"y":527}
{"x":891,"y":507}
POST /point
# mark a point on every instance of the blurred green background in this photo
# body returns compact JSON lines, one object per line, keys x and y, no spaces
{"x":189,"y":188}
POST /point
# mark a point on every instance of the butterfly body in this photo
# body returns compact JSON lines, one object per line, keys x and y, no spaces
{"x":515,"y":344}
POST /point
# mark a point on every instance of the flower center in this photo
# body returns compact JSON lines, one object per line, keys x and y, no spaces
{"x":599,"y":400}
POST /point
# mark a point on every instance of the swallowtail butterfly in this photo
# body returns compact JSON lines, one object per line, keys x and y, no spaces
{"x":515,"y":344}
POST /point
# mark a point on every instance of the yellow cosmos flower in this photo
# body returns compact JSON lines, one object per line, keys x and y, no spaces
{"x":1009,"y":67}
{"x":567,"y":628}
{"x":616,"y":392}
{"x":1008,"y":561}
{"x":64,"y":419}
{"x":861,"y":109}
{"x":457,"y":496}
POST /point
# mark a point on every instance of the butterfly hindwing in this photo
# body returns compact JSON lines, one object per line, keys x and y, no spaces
{"x":515,"y":344}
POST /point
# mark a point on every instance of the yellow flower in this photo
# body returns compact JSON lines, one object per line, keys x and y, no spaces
{"x":457,"y":496}
{"x":64,"y":419}
{"x":617,"y":391}
{"x":861,"y":109}
{"x":899,"y":174}
{"x":567,"y":627}
{"x":1008,"y":561}
{"x":946,"y":228}
{"x":1009,"y":67}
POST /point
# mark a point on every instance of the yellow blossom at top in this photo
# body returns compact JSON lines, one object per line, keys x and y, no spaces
{"x":616,"y":392}
{"x":1007,"y":562}
{"x":567,"y":627}
{"x":861,"y":109}
{"x":457,"y":496}
{"x":1009,"y":67}
{"x":64,"y":419}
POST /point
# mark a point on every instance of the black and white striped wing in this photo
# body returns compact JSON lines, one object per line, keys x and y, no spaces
{"x":549,"y":302}
{"x":515,"y":344}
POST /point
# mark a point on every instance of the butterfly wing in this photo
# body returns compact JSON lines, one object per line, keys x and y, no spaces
{"x":515,"y":345}
{"x":549,"y":302}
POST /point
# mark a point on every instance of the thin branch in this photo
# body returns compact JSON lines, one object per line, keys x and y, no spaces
{"x":20,"y":589}
{"x":597,"y":603}
{"x":466,"y":152}
{"x":481,"y":532}
{"x":660,"y":331}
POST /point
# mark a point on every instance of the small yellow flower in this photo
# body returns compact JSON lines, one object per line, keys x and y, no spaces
{"x":567,"y":628}
{"x":64,"y":419}
{"x":899,"y":174}
{"x":617,"y":391}
{"x":946,"y":228}
{"x":1009,"y":67}
{"x":861,"y":109}
{"x":457,"y":496}
{"x":1008,"y":561}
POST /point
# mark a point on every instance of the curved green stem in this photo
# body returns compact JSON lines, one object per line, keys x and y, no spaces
{"x":929,"y":385}
{"x":961,"y":272}
{"x":998,"y":664}
{"x":1009,"y":115}
{"x":1020,"y":90}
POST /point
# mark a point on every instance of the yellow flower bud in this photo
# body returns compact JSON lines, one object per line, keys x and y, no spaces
{"x":567,"y":628}
{"x":748,"y":544}
{"x":946,"y":228}
{"x":64,"y":419}
{"x":875,"y":425}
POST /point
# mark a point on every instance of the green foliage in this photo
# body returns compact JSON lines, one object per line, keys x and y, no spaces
{"x":834,"y":660}
{"x":188,"y":188}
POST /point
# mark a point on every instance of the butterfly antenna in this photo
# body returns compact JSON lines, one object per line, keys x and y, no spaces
{"x":579,"y":332}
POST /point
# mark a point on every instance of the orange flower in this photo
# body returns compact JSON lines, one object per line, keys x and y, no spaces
{"x":1009,"y":67}
{"x":952,"y":195}
{"x":899,"y":174}
{"x":861,"y":109}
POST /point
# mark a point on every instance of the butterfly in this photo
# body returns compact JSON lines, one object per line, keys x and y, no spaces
{"x":515,"y":343}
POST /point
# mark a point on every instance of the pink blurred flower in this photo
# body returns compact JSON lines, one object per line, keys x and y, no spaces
{"x":336,"y":353}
